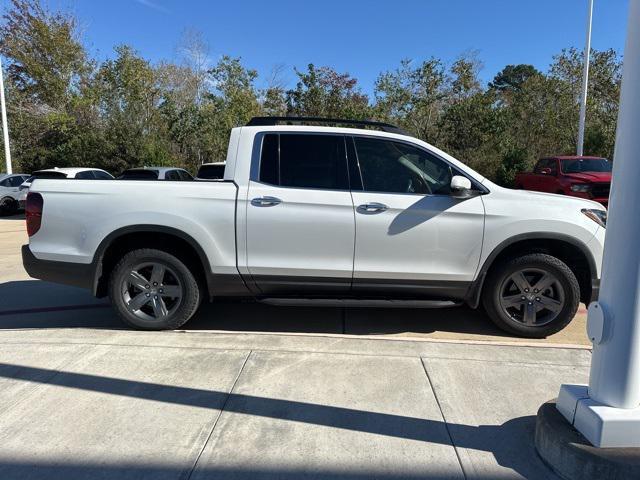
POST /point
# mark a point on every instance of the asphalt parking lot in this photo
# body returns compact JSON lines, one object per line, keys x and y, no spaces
{"x":249,"y":391}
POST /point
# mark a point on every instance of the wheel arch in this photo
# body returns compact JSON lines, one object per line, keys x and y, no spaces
{"x":570,"y":250}
{"x":165,"y":238}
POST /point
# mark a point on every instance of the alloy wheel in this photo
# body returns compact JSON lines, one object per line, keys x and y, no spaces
{"x":532,"y":297}
{"x":152,"y":291}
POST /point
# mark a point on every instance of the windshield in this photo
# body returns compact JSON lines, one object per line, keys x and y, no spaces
{"x":586,"y":165}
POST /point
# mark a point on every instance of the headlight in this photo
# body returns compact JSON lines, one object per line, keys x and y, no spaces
{"x":598,"y":216}
{"x":580,"y":187}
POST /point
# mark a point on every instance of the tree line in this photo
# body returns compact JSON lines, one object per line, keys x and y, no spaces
{"x":66,"y":108}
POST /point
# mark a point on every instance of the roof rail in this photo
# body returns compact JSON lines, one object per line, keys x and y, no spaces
{"x":266,"y":121}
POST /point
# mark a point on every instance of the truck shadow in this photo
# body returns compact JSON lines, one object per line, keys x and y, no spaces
{"x":38,"y":304}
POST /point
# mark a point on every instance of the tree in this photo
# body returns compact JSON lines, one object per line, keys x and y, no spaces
{"x":605,"y":71}
{"x":274,"y":96}
{"x":129,"y":102}
{"x":414,"y":97}
{"x":511,"y":78}
{"x":47,"y":62}
{"x":464,"y":72}
{"x":232,"y":103}
{"x":323,"y":92}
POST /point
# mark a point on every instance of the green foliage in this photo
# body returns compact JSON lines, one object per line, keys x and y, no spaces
{"x":511,"y":79}
{"x":513,"y":161}
{"x":67,"y":109}
{"x":323,"y":92}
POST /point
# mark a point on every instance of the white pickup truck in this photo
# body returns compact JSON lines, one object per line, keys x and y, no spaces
{"x":321,"y":215}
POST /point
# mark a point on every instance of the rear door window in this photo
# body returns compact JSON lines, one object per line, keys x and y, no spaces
{"x":102,"y":175}
{"x":86,"y":175}
{"x":304,"y":161}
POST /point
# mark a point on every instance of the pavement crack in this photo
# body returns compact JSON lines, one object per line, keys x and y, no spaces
{"x":187,"y":474}
{"x":446,"y":424}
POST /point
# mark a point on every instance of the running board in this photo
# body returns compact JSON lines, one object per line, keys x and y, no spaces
{"x":354,"y":302}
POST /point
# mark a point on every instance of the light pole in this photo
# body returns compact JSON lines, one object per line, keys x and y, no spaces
{"x":5,"y":127}
{"x":585,"y":82}
{"x":607,"y":412}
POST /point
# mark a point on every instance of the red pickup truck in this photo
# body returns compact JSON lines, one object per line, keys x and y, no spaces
{"x":585,"y":177}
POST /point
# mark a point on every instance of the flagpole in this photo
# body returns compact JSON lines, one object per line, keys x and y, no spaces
{"x":585,"y":82}
{"x":5,"y":127}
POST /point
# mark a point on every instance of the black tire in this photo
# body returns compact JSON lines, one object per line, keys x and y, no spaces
{"x":175,"y":311}
{"x":8,"y":206}
{"x":499,"y":290}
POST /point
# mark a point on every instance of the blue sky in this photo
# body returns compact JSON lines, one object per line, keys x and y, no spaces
{"x":357,"y":36}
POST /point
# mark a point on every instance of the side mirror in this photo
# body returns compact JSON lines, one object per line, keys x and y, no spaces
{"x":545,"y":171}
{"x":460,"y":186}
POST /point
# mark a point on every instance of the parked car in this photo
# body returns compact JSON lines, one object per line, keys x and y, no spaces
{"x":211,"y":171}
{"x":156,"y":173}
{"x":61,"y":174}
{"x":10,"y":191}
{"x":585,"y":177}
{"x":322,"y":215}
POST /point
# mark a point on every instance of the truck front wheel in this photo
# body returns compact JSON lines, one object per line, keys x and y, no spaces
{"x":153,"y":290}
{"x":534,"y":295}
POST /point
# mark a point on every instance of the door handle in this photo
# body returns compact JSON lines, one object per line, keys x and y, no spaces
{"x":265,"y":201}
{"x":373,"y":207}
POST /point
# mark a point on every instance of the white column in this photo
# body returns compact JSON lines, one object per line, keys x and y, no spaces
{"x":615,"y":366}
{"x":585,"y":81}
{"x":607,"y":411}
{"x":5,"y":127}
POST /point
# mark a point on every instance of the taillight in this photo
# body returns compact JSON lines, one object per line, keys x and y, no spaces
{"x":33,"y":212}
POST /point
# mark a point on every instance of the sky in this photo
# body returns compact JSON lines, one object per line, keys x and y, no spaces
{"x":360,"y":37}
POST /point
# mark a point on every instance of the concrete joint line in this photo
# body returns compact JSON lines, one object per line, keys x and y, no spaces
{"x":444,"y":420}
{"x":186,"y":475}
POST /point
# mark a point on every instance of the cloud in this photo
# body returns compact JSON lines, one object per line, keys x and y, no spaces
{"x":153,"y":5}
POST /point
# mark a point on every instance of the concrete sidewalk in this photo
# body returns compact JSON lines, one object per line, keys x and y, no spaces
{"x":98,"y":403}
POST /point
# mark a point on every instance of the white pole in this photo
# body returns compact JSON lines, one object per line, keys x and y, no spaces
{"x":5,"y":127}
{"x":585,"y":81}
{"x":615,"y":365}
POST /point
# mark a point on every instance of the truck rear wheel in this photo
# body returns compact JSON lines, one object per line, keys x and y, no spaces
{"x":533,"y":296}
{"x":153,"y":290}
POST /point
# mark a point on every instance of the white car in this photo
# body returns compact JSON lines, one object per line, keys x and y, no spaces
{"x":321,"y":215}
{"x":156,"y":173}
{"x":10,"y":191}
{"x":61,"y":174}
